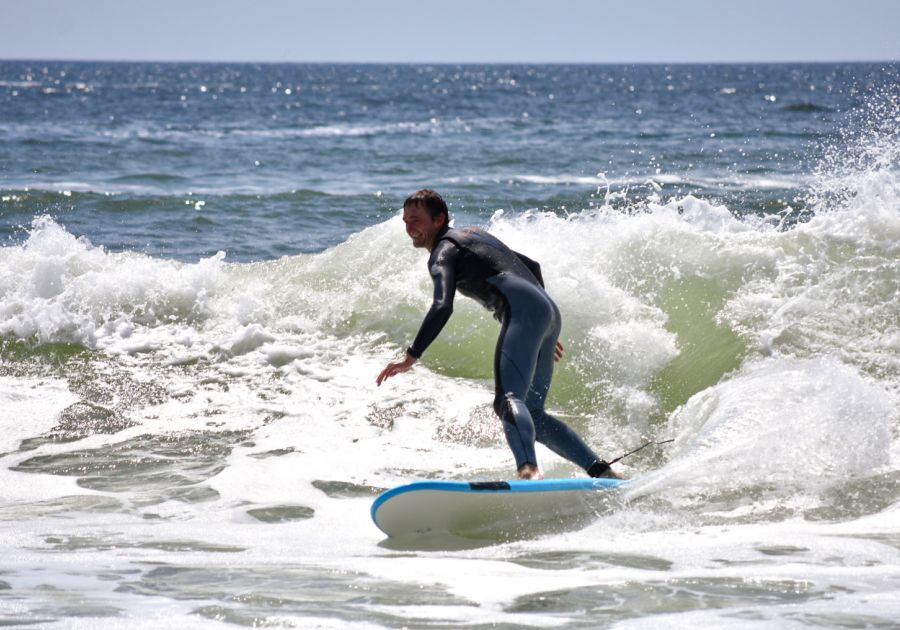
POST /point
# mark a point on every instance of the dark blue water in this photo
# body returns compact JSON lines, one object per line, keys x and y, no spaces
{"x":261,"y":161}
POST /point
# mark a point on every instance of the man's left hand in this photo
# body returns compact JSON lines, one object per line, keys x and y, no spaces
{"x":394,"y":368}
{"x":558,"y":355}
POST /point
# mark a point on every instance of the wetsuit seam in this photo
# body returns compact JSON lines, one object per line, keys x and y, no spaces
{"x":499,"y":390}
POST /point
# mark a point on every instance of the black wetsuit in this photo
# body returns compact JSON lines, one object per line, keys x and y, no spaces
{"x":510,"y":285}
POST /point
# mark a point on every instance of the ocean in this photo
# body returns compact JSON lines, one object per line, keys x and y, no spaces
{"x":203,"y":269}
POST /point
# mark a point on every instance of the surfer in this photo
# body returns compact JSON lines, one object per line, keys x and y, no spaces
{"x":511,"y":285}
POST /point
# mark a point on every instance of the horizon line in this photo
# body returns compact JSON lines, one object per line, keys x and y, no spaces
{"x":449,"y":63}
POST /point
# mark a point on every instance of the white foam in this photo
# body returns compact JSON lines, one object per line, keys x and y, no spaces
{"x":29,"y":407}
{"x":789,"y":422}
{"x":58,"y":288}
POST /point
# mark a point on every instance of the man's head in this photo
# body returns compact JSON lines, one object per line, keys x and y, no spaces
{"x":425,"y":215}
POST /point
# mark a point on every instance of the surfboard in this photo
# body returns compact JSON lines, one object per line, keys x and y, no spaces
{"x":490,"y":508}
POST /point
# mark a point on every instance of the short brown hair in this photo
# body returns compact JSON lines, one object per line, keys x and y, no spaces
{"x":431,"y":201}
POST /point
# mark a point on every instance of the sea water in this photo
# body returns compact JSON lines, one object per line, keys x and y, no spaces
{"x":203,"y":269}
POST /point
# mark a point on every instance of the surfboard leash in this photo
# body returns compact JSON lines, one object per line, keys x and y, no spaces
{"x":642,"y":446}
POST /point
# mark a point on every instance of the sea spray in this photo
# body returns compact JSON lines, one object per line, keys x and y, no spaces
{"x":59,"y":288}
{"x":783,"y":426}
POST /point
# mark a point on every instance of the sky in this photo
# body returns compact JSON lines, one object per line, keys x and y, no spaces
{"x":452,"y":31}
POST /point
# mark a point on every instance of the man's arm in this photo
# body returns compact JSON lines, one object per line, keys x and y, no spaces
{"x":443,"y":274}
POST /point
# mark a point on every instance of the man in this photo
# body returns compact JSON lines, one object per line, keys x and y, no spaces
{"x":510,"y":285}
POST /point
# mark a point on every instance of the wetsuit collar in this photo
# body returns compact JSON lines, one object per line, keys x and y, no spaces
{"x":440,"y":235}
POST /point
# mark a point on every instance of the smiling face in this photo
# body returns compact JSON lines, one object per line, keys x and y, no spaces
{"x":421,"y":227}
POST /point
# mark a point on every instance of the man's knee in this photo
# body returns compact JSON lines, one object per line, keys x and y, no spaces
{"x":509,"y":407}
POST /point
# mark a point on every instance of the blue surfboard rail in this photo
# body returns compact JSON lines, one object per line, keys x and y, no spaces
{"x":499,"y":487}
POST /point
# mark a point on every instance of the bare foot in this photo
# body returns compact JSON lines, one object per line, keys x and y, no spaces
{"x":530,"y":471}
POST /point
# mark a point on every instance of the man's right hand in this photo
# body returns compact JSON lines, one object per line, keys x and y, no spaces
{"x":394,"y":368}
{"x":558,"y":353}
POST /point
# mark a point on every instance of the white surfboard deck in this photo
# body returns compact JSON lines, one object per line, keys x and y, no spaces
{"x":488,"y":508}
